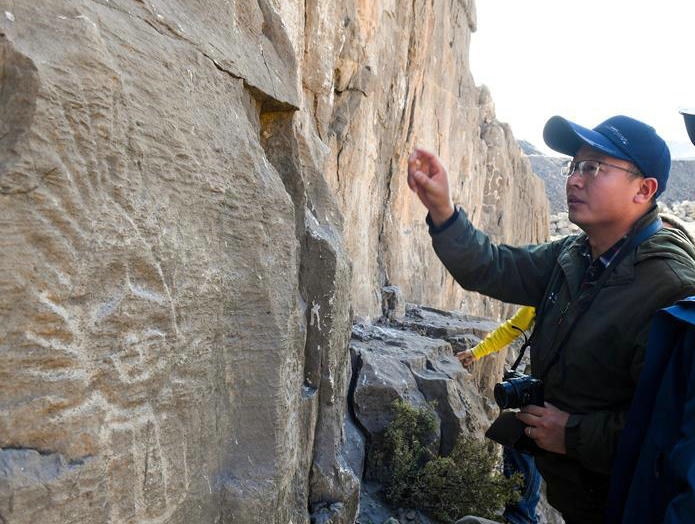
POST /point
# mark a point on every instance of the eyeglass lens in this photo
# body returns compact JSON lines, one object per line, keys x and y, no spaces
{"x":584,"y":167}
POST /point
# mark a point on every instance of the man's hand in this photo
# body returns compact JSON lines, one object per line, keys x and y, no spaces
{"x":546,"y":426}
{"x":428,"y":178}
{"x":466,"y":357}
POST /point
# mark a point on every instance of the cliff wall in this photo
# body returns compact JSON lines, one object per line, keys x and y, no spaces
{"x":196,"y":199}
{"x":399,"y":77}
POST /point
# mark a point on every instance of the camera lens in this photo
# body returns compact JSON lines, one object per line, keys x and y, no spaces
{"x":505,"y":395}
{"x":518,"y":392}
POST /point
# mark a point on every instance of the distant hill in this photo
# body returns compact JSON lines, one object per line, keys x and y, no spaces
{"x":681,"y":184}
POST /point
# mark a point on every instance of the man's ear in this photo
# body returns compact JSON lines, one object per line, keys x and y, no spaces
{"x":647,"y":190}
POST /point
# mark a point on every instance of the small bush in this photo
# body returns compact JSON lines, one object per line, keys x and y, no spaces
{"x":407,"y":445}
{"x":467,"y":482}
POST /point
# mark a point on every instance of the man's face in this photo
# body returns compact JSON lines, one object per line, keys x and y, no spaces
{"x":607,"y":198}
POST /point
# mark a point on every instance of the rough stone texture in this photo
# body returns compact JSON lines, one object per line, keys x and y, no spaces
{"x":684,"y":211}
{"x":392,"y":364}
{"x":462,"y":332}
{"x":167,"y":351}
{"x":398,"y":76}
{"x":560,"y":226}
{"x":184,"y":189}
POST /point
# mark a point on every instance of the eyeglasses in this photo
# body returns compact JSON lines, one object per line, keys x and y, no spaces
{"x":589,"y":167}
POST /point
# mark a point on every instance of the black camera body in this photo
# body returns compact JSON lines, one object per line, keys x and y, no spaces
{"x":518,"y":390}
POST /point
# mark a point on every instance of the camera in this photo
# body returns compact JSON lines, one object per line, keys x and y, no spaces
{"x":518,"y":390}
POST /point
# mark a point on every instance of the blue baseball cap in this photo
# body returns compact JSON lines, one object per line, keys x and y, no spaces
{"x":620,"y":137}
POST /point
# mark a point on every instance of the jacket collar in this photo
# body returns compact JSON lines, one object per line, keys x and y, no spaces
{"x":571,"y":260}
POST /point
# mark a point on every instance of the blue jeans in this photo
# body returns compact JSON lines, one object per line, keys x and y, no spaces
{"x":523,"y":511}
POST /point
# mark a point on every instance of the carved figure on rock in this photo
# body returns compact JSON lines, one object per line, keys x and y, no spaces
{"x":93,"y":337}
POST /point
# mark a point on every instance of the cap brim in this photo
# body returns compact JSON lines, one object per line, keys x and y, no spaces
{"x":689,"y":117}
{"x":565,"y":137}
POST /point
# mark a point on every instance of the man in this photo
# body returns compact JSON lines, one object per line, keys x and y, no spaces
{"x":594,"y":293}
{"x":653,"y":478}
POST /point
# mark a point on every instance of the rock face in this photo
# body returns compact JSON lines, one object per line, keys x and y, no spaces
{"x":397,"y":77}
{"x":195,"y":199}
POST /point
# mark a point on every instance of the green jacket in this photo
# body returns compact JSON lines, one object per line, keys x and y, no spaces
{"x":589,"y":367}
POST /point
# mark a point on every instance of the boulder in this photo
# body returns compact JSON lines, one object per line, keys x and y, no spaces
{"x":393,"y":364}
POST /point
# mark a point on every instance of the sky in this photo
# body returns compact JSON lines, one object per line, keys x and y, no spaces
{"x":587,"y":61}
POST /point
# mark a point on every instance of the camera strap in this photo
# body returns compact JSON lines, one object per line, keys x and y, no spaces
{"x":522,"y":349}
{"x":584,"y":300}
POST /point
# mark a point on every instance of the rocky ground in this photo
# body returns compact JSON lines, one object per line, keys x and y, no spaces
{"x":410,"y":355}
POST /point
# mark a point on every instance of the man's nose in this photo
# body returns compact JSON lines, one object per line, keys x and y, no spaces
{"x":576,"y":179}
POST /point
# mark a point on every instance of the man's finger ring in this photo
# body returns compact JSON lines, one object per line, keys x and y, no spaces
{"x":528,"y":432}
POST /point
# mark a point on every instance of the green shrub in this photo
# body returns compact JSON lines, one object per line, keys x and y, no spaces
{"x":408,"y":444}
{"x":467,"y":482}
